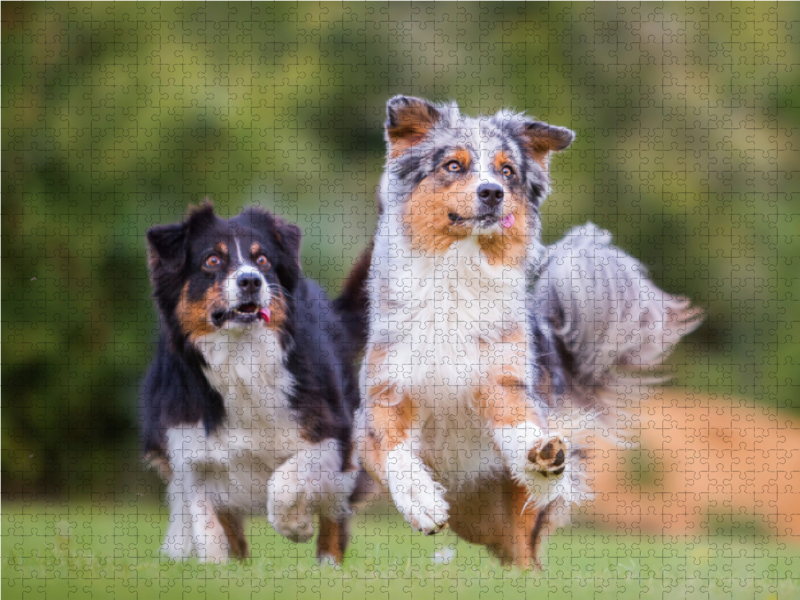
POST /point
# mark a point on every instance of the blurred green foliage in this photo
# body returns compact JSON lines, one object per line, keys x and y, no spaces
{"x":117,"y":116}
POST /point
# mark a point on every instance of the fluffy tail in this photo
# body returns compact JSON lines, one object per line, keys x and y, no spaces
{"x":603,"y":329}
{"x":353,"y":303}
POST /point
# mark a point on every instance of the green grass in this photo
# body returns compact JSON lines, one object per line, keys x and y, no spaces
{"x":109,"y":549}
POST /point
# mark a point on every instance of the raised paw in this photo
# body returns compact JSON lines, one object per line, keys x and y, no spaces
{"x":417,"y":496}
{"x":536,"y":460}
{"x":290,"y":509}
{"x":431,"y":520}
{"x":428,"y":517}
{"x":548,"y":457}
{"x":423,"y":506}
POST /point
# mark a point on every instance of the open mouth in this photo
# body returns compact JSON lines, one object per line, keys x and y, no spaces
{"x":247,"y":309}
{"x":247,"y":312}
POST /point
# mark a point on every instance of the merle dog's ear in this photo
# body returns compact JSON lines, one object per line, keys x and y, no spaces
{"x":540,"y":139}
{"x":408,"y":122}
{"x":167,"y":246}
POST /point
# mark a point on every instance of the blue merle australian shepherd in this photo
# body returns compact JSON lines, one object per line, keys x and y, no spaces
{"x":248,"y":404}
{"x":488,"y":355}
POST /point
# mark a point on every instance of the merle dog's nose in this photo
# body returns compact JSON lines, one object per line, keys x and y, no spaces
{"x":249,"y":282}
{"x":490,"y":194}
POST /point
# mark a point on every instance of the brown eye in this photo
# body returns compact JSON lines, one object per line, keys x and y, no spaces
{"x":507,"y":171}
{"x":262,"y":261}
{"x":213,"y":261}
{"x":453,"y":166}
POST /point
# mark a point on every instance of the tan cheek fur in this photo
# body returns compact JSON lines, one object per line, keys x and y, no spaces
{"x":277,"y":309}
{"x":428,"y":208}
{"x":431,"y":230}
{"x":195,"y":315}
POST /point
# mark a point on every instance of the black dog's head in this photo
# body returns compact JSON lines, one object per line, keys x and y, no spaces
{"x":210,"y":273}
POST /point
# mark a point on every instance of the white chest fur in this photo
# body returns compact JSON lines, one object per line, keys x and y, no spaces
{"x":246,"y":366}
{"x":259,"y":432}
{"x":443,"y":319}
{"x":441,"y":314}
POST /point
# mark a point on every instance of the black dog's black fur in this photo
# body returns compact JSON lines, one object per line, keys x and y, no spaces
{"x":175,"y":391}
{"x":319,"y":352}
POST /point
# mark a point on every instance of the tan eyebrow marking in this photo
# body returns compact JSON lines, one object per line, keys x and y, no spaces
{"x":501,"y":159}
{"x":255,"y":248}
{"x":222,"y":248}
{"x":462,"y":156}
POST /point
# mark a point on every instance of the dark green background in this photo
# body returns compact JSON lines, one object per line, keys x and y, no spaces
{"x":118,"y":116}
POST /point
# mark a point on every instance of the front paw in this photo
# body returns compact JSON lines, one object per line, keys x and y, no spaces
{"x":546,"y":463}
{"x":536,"y":460}
{"x":417,"y":496}
{"x":290,"y":508}
{"x":548,"y":457}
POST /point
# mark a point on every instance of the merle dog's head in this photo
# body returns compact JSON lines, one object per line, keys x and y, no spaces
{"x":453,"y":176}
{"x":209,"y":273}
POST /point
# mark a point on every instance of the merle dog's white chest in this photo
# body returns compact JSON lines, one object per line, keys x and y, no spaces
{"x":444,"y":318}
{"x":445,"y":324}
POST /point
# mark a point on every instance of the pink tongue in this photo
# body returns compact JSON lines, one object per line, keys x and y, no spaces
{"x":264,"y":314}
{"x":507,"y":221}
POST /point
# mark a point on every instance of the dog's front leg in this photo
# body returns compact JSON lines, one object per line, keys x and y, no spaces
{"x":388,"y":454}
{"x":311,"y":481}
{"x":534,"y":457}
{"x":208,"y":533}
{"x":194,"y":525}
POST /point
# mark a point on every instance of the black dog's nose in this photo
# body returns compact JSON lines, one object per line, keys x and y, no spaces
{"x":490,"y":194}
{"x":249,"y":282}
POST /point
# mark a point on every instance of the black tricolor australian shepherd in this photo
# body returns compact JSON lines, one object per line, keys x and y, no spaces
{"x":488,"y":356}
{"x":248,"y":404}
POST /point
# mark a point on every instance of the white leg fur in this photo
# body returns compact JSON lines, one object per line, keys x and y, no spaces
{"x":515,"y":444}
{"x":194,"y":529}
{"x":417,"y":496}
{"x":208,"y":534}
{"x":309,"y":482}
{"x":178,"y":543}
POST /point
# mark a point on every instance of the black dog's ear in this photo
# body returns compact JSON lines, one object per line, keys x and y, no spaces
{"x":167,"y":247}
{"x":167,"y":243}
{"x":289,"y":238}
{"x":201,"y":216}
{"x":540,"y":139}
{"x":408,"y":122}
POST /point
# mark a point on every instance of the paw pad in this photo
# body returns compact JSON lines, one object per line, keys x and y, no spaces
{"x":549,"y":458}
